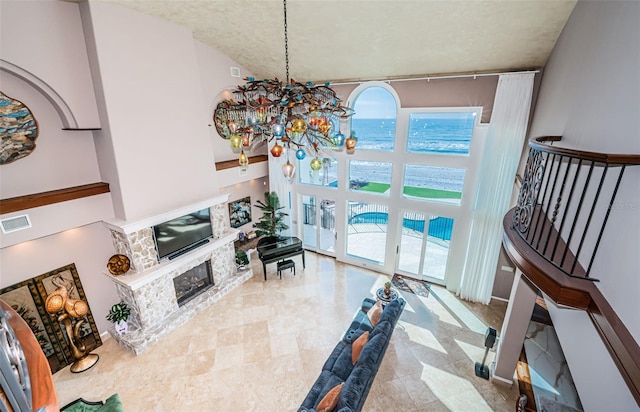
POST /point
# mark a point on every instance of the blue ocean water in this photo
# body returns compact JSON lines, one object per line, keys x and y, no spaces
{"x":433,"y":133}
{"x":428,"y":133}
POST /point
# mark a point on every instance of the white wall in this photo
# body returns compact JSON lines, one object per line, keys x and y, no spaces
{"x":34,"y":34}
{"x":215,"y":75}
{"x":61,"y":158}
{"x":597,"y":379}
{"x":155,"y":150}
{"x":589,"y":95}
{"x":89,"y":247}
{"x":155,"y":127}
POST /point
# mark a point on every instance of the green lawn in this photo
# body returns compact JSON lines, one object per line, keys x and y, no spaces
{"x":376,"y":187}
{"x":422,"y":192}
{"x":430,"y":193}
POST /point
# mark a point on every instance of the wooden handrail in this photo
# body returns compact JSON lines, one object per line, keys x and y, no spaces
{"x":15,"y":204}
{"x":539,"y":143}
{"x":229,"y":164}
{"x":577,"y":293}
{"x":43,"y":391}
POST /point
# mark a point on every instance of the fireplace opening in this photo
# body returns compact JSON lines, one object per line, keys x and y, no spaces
{"x":193,"y":282}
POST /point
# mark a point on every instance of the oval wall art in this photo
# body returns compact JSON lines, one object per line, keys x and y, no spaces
{"x":18,"y":130}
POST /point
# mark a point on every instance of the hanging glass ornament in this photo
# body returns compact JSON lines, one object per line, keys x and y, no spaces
{"x":277,"y":129}
{"x":276,"y":150}
{"x":338,"y":140}
{"x":316,"y":164}
{"x":243,"y":160}
{"x":350,"y":144}
{"x":288,"y":170}
{"x":298,"y":125}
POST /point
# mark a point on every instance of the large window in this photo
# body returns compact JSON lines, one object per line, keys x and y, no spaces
{"x":392,"y":203}
{"x":441,"y":133}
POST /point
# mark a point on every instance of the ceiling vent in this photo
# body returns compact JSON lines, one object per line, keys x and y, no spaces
{"x":235,"y":71}
{"x":13,"y":224}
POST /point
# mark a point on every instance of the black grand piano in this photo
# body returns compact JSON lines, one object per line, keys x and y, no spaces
{"x":272,"y":249}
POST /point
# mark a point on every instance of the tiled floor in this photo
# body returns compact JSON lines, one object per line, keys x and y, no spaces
{"x":261,"y":347}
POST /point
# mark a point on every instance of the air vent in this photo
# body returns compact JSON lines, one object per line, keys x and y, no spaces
{"x":13,"y":224}
{"x":235,"y":71}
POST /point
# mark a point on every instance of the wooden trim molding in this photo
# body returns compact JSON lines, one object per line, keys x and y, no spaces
{"x":579,"y":294}
{"x":229,"y":164}
{"x":540,"y":144}
{"x":15,"y":204}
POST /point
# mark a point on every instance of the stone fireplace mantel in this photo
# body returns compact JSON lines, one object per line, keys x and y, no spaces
{"x":148,"y":288}
{"x":138,"y":280}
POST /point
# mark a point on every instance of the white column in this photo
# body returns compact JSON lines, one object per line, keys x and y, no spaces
{"x":514,"y":329}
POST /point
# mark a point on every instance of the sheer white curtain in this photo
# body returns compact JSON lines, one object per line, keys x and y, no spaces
{"x":500,"y":159}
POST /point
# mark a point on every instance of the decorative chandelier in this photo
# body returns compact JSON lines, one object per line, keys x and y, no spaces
{"x":303,"y":117}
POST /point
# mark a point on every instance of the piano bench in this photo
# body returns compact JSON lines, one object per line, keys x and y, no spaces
{"x":286,"y":264}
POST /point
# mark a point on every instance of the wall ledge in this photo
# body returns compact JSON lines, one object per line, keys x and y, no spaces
{"x":19,"y":203}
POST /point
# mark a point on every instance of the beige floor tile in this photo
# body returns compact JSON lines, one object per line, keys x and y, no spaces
{"x":262,"y":346}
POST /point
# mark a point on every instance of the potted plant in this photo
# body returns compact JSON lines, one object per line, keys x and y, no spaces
{"x":119,"y":314}
{"x":241,"y":258}
{"x":387,"y":288}
{"x":272,"y":221}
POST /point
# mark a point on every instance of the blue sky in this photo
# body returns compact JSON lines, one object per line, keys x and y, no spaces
{"x":375,"y":103}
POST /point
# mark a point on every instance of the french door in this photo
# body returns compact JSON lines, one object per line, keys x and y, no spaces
{"x":318,"y":216}
{"x":423,"y":251}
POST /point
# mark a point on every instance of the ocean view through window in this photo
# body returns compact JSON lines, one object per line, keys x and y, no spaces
{"x":412,"y":175}
{"x":441,"y":133}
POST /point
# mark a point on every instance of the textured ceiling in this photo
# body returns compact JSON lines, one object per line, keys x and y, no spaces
{"x":364,"y":40}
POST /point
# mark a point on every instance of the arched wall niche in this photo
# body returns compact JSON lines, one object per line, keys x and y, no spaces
{"x":69,"y":121}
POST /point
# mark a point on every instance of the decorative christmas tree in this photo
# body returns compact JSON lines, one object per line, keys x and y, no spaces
{"x":272,"y":221}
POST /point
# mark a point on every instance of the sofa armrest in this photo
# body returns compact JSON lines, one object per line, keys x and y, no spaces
{"x":367,"y":304}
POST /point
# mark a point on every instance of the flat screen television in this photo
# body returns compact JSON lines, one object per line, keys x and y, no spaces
{"x":180,"y":235}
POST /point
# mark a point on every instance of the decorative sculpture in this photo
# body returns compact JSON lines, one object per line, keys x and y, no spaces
{"x":71,"y":313}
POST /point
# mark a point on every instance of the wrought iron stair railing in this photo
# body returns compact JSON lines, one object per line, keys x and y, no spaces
{"x":554,"y":232}
{"x":565,"y":201}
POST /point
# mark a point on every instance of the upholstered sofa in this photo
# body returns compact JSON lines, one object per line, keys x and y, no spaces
{"x":355,"y":372}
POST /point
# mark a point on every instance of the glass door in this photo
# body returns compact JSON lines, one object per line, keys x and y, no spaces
{"x":424,"y":246}
{"x":309,"y":228}
{"x":367,"y":231}
{"x":319,"y":224}
{"x":327,"y":229}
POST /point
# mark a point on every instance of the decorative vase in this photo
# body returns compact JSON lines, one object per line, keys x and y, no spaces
{"x":121,"y":327}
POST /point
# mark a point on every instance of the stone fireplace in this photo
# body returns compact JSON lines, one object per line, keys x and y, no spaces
{"x":149,"y":288}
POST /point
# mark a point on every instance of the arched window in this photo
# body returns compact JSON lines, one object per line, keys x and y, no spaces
{"x":374,"y":121}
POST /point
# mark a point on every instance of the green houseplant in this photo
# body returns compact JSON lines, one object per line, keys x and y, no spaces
{"x":241,"y":258}
{"x":119,"y":314}
{"x":272,"y":221}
